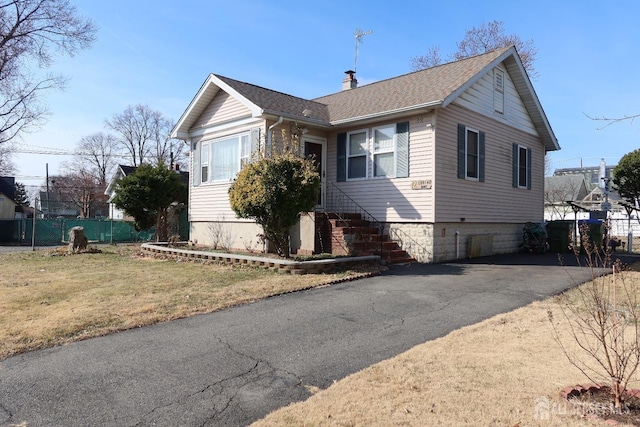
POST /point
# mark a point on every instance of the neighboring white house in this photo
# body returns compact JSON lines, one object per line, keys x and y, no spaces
{"x":450,"y":160}
{"x":559,"y":192}
{"x":580,"y":193}
{"x":120,"y":172}
{"x":114,"y":212}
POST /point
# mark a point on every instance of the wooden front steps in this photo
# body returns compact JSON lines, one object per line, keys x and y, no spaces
{"x":352,"y":235}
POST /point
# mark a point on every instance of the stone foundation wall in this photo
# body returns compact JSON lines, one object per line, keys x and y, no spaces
{"x":415,"y":239}
{"x":428,"y":242}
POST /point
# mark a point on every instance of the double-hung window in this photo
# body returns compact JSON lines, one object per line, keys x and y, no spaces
{"x":204,"y":162}
{"x":357,"y":154}
{"x":472,"y":146}
{"x":471,"y":153}
{"x":384,"y":162}
{"x":384,"y":154}
{"x":521,"y":166}
{"x":245,"y":150}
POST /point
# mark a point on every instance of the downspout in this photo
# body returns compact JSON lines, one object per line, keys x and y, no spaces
{"x":269,"y":137}
{"x":457,"y":244}
{"x":268,"y":152}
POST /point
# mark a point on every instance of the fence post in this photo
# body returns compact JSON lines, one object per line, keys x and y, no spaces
{"x":33,"y":231}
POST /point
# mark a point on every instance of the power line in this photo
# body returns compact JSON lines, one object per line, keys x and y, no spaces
{"x":51,"y":152}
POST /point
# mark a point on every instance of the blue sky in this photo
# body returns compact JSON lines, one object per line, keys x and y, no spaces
{"x":159,"y":53}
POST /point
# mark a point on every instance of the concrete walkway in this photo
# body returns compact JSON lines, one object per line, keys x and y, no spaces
{"x":235,"y":366}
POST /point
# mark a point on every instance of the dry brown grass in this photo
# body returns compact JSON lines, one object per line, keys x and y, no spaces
{"x":47,"y":299}
{"x":491,"y":373}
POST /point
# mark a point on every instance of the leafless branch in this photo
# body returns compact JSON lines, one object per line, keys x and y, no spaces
{"x":610,"y":121}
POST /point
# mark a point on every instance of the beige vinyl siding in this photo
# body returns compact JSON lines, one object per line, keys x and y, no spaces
{"x":480,"y":96}
{"x":210,"y":201}
{"x":393,"y":199}
{"x":223,"y":108}
{"x":494,"y":200}
{"x":7,"y":207}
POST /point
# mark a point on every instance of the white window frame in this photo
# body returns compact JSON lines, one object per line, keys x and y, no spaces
{"x":392,"y":149}
{"x":243,"y":156}
{"x":365,"y":154}
{"x":245,"y":150}
{"x":521,"y":149}
{"x":466,"y":154}
{"x":205,"y":150}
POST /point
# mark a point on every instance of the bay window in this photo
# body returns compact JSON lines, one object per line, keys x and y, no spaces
{"x":221,"y":159}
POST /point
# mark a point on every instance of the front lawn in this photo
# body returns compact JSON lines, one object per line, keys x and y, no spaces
{"x":49,"y":298}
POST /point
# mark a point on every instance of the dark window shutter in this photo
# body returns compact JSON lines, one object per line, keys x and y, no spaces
{"x":481,"y":157}
{"x":515,"y":166}
{"x":342,"y":157}
{"x":195,"y":155}
{"x":462,"y":173}
{"x":255,"y":142}
{"x":402,"y":150}
{"x":528,"y":168}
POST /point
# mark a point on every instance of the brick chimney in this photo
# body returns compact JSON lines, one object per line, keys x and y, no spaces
{"x":349,"y":81}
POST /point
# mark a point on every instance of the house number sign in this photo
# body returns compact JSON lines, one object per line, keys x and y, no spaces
{"x":421,"y":184}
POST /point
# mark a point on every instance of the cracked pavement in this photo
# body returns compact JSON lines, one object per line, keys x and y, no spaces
{"x":235,"y":366}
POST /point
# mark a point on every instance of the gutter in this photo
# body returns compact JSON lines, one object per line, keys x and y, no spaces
{"x":427,"y":105}
{"x":269,"y":138}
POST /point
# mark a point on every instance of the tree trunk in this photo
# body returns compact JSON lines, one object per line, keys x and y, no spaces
{"x":77,"y":239}
{"x":161,"y":225}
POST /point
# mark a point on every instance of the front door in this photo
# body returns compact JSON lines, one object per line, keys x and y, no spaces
{"x":315,"y":148}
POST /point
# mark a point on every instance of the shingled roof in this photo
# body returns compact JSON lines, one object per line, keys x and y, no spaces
{"x":278,"y":103}
{"x":434,"y":87}
{"x":424,"y":88}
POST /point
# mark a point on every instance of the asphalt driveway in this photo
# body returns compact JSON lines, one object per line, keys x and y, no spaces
{"x":235,"y":366}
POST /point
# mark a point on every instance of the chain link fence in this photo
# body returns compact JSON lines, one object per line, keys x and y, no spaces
{"x":55,"y":231}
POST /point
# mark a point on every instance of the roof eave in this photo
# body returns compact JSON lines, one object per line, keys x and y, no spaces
{"x":112,"y":183}
{"x":274,"y":115}
{"x":201,"y":100}
{"x":388,"y":114}
{"x":532,"y":102}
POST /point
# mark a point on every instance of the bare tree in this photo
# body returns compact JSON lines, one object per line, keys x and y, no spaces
{"x":168,"y":150}
{"x":603,"y":317}
{"x":489,"y":36}
{"x":428,"y":60}
{"x":144,"y":134}
{"x":81,"y":190}
{"x":96,"y":155}
{"x":32,"y":33}
{"x":7,"y":166}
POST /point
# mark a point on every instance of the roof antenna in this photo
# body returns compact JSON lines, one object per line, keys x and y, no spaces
{"x":359,"y":34}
